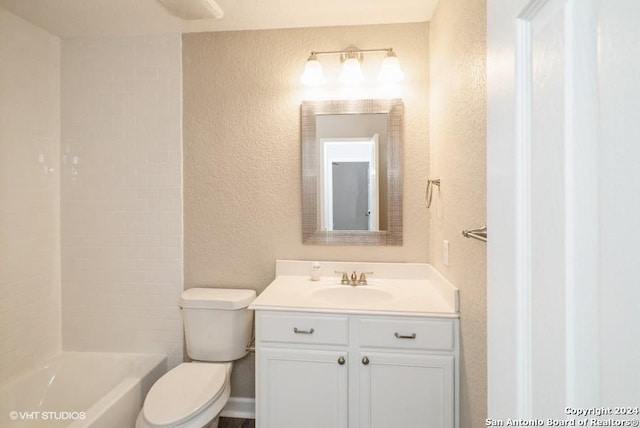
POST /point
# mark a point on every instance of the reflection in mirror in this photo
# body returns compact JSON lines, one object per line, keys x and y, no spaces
{"x":352,"y":181}
{"x":352,"y":196}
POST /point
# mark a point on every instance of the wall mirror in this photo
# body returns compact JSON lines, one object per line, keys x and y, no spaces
{"x":351,"y":172}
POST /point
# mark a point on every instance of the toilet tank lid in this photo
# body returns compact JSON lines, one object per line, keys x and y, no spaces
{"x":216,"y":298}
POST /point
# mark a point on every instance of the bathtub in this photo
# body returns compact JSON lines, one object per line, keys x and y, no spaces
{"x":81,"y":390}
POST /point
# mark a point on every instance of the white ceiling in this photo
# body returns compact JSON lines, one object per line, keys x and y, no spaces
{"x":70,"y":18}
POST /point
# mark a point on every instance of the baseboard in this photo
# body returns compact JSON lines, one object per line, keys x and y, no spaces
{"x":240,"y":407}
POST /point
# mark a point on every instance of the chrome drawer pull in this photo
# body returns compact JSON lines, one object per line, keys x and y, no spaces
{"x":365,"y":361}
{"x":341,"y":360}
{"x":296,"y":331}
{"x":402,"y":336}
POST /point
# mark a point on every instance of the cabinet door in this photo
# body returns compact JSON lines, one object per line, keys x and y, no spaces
{"x":399,"y":390}
{"x":302,"y":388}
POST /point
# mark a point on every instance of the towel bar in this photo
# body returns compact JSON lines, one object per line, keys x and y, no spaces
{"x":480,"y":233}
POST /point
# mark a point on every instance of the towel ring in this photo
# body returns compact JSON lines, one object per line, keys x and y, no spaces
{"x":428,"y":195}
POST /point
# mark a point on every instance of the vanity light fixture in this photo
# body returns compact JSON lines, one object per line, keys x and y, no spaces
{"x":390,"y":72}
{"x":351,"y":57}
{"x":351,"y":73}
{"x":312,"y":75}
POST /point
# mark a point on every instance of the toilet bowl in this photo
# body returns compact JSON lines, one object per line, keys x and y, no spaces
{"x":218,"y":328}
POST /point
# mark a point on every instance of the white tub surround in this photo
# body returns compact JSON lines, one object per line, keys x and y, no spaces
{"x":381,"y":354}
{"x":81,"y":390}
{"x":121,"y":194}
{"x":393,"y":289}
{"x":29,"y":196}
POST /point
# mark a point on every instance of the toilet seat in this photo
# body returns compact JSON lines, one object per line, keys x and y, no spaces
{"x":189,"y":392}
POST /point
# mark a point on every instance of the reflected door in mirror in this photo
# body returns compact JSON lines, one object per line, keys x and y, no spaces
{"x":350,"y":190}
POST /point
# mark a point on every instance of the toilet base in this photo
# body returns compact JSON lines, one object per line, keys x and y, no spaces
{"x":214,"y":423}
{"x":140,"y":423}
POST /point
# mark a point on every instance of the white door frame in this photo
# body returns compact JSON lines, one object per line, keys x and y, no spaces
{"x":511,"y":362}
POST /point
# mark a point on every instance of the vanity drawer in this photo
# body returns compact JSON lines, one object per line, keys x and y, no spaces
{"x":436,"y":335}
{"x":320,"y":330}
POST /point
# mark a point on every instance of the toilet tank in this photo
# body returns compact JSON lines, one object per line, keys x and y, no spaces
{"x":217,"y":324}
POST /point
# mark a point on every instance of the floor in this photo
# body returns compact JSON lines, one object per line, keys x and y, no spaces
{"x":236,"y":423}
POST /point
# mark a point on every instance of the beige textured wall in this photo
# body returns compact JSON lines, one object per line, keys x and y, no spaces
{"x":242,"y":165}
{"x":457,"y":41}
{"x":29,"y":195}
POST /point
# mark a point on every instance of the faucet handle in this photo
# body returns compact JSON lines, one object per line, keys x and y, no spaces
{"x":363,"y":278}
{"x":345,"y":277}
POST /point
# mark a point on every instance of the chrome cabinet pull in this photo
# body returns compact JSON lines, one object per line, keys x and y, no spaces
{"x":365,"y":361}
{"x":403,"y":336}
{"x":296,"y":331}
{"x":341,"y":361}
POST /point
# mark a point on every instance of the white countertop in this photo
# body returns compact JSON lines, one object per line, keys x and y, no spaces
{"x":408,"y":289}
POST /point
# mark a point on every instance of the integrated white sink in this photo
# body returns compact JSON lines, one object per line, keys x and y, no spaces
{"x":394,"y":288}
{"x":348,"y":294}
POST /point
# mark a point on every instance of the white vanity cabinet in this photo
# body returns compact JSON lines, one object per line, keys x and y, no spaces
{"x":302,"y":371}
{"x":302,"y":388}
{"x":329,"y":370}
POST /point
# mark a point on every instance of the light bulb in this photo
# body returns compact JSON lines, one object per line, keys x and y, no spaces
{"x":351,"y":73}
{"x":390,"y":72}
{"x":312,"y":75}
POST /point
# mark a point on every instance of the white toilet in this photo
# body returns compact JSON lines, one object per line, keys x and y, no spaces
{"x":217,"y":329}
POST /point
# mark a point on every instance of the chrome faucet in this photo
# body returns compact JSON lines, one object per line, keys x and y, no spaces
{"x":353,"y":280}
{"x":363,"y":278}
{"x":345,"y":278}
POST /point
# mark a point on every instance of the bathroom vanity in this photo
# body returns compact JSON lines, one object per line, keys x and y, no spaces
{"x":383,"y":354}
